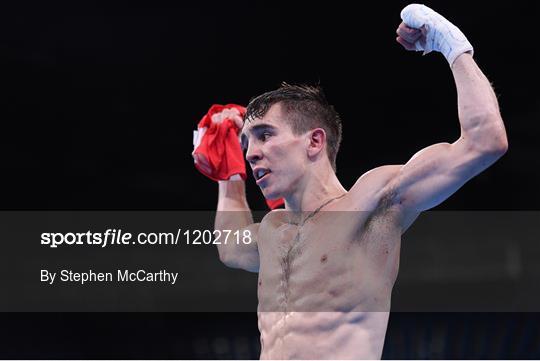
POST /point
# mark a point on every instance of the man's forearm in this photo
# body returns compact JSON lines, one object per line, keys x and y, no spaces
{"x":479,"y":116}
{"x":233,"y":210}
{"x":232,"y":196}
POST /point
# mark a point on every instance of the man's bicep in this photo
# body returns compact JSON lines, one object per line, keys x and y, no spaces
{"x":435,"y":173}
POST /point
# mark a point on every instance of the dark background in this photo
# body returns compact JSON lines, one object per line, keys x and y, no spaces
{"x":100,"y":101}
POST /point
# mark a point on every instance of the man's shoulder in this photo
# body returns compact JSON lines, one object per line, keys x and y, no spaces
{"x":275,"y":215}
{"x":381,"y":171}
{"x":374,"y":186}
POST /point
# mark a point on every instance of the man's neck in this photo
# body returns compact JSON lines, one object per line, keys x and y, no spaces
{"x":314,"y":191}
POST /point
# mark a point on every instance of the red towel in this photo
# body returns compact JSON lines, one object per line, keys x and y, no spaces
{"x":275,"y":203}
{"x":217,"y":152}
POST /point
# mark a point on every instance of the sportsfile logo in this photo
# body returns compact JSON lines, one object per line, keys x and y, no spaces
{"x":119,"y":237}
{"x":109,"y":237}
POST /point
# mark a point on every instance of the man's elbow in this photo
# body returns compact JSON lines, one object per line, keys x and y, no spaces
{"x":230,"y":259}
{"x":489,"y":138}
{"x":497,"y":145}
{"x":494,"y":149}
{"x":502,"y":146}
{"x":234,"y":260}
{"x":226,"y":258}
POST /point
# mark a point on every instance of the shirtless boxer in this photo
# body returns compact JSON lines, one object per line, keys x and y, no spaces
{"x":326,"y":278}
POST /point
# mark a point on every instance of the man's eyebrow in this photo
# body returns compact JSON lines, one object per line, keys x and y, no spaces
{"x":259,"y":127}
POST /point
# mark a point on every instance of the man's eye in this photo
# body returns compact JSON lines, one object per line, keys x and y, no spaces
{"x":264,"y":136}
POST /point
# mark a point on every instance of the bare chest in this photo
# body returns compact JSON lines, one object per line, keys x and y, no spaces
{"x":322,"y":264}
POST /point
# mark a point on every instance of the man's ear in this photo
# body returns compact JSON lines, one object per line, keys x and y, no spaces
{"x":317,"y":139}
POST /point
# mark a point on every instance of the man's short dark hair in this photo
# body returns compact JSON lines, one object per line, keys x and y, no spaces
{"x":307,"y":108}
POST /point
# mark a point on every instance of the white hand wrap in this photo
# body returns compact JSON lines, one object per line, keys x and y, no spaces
{"x":441,"y":34}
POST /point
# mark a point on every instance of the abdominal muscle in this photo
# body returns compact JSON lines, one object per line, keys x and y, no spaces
{"x":324,"y":288}
{"x":322,"y":335}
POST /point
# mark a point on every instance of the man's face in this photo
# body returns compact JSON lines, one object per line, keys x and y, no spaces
{"x":277,"y":157}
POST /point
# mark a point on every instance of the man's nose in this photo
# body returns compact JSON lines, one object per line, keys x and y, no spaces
{"x":253,"y":154}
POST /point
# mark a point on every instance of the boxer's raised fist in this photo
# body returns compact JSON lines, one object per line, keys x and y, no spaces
{"x":423,"y":29}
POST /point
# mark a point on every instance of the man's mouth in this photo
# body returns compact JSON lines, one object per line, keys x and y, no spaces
{"x":261,"y":173}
